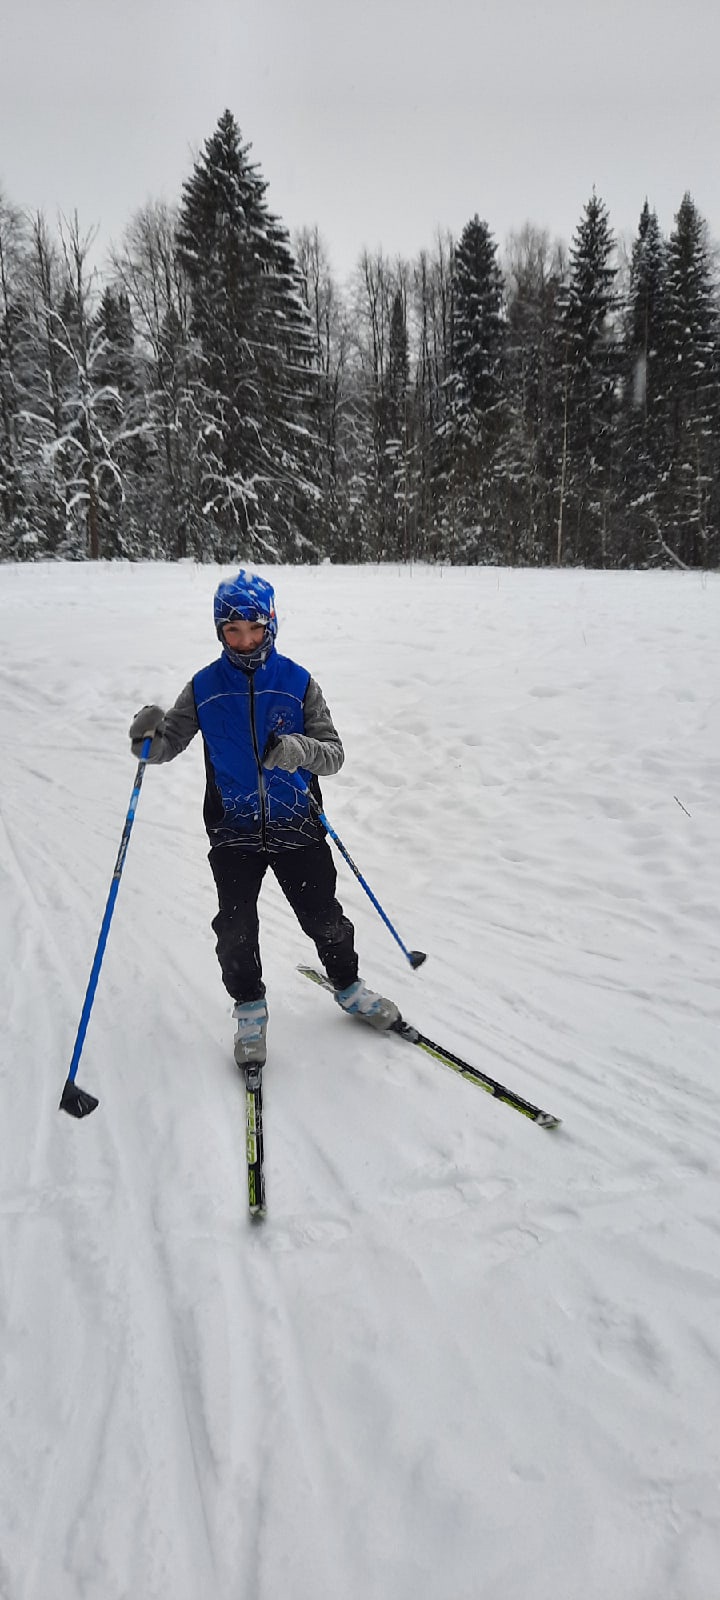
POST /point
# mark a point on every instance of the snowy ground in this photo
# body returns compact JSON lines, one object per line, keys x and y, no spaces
{"x":464,"y":1359}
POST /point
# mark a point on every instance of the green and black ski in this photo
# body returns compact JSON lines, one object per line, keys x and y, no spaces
{"x":254,"y":1145}
{"x":544,"y":1119}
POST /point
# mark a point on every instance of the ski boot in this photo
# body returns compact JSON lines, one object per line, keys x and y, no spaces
{"x":359,"y":1001}
{"x":251,"y":1017}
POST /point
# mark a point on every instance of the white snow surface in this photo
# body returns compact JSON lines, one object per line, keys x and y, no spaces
{"x":464,"y":1358}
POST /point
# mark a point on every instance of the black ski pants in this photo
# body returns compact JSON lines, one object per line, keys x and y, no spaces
{"x":307,"y":878}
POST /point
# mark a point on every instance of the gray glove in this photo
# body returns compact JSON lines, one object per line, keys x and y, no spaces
{"x":145,"y":723}
{"x":287,"y":752}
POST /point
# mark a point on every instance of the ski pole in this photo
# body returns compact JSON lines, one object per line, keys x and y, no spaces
{"x":415,"y":957}
{"x":77,"y":1102}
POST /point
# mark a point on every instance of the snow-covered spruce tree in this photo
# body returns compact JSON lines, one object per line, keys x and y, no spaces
{"x":690,"y":401}
{"x":644,"y":336}
{"x":535,"y":272}
{"x":642,"y":441}
{"x":587,"y":395}
{"x":257,"y":451}
{"x":475,"y":422}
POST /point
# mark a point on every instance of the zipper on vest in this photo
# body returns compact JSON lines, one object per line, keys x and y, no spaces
{"x":261,"y":780}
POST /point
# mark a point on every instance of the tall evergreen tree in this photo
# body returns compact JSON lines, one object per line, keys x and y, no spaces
{"x":645,"y":321}
{"x":645,"y":362}
{"x":586,"y":393}
{"x":476,"y":419}
{"x":479,"y":326}
{"x":398,"y":364}
{"x":257,"y":453}
{"x":691,"y":401}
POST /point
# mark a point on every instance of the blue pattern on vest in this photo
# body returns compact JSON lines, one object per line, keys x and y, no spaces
{"x":245,"y":804}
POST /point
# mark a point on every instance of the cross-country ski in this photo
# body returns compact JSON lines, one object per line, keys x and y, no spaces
{"x":411,"y":1035}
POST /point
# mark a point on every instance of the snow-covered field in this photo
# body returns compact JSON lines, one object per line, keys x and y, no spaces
{"x":464,"y":1358}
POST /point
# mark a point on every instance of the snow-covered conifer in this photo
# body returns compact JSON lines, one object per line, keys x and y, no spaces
{"x":256,"y":448}
{"x":587,"y":372}
{"x":691,"y":401}
{"x":475,"y":420}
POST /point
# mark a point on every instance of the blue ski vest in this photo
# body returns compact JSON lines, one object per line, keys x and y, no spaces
{"x":245,"y":804}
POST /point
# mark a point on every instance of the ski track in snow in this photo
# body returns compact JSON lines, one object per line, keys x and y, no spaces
{"x":463,"y":1358}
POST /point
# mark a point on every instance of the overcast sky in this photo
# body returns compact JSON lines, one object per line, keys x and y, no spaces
{"x":380,"y":121}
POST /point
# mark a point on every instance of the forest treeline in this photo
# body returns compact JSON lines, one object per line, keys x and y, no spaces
{"x":217,"y":395}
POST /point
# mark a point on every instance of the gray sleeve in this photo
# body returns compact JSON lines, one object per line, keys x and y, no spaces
{"x":179,"y":725}
{"x":323,"y":751}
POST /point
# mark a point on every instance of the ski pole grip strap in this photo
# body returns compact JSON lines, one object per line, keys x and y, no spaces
{"x":305,"y":789}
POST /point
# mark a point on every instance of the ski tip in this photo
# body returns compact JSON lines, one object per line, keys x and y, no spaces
{"x":547,"y":1120}
{"x":77,"y":1102}
{"x":416,"y":958}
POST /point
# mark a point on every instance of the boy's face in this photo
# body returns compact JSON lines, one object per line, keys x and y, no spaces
{"x":243,"y":636}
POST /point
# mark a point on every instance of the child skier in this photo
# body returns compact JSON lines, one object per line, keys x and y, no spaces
{"x":262,"y":718}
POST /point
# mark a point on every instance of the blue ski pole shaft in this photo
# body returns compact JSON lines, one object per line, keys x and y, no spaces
{"x":415,"y":957}
{"x":74,"y":1100}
